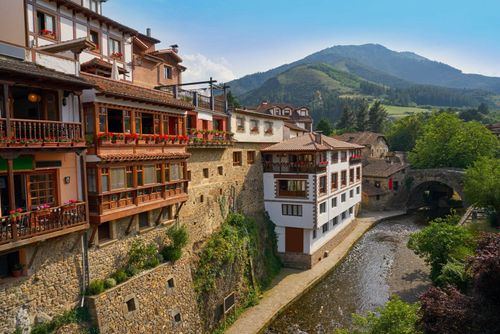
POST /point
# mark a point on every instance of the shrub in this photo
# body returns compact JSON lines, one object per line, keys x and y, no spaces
{"x":142,"y":256}
{"x":96,"y":287}
{"x":171,"y":253}
{"x":109,"y":283}
{"x":178,"y":235}
{"x":120,"y":276}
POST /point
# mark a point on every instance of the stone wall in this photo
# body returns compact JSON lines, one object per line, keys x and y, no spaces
{"x":51,"y":285}
{"x":155,"y":307}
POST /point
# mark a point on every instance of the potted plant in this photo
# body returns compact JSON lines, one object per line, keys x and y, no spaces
{"x":104,"y":138}
{"x":15,"y":214}
{"x":131,"y":138}
{"x":17,"y":270}
{"x":117,"y":138}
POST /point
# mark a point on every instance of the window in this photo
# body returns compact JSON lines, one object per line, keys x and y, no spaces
{"x":177,"y":317}
{"x":378,"y":197}
{"x":351,"y":175}
{"x":325,"y":228}
{"x":343,"y":178}
{"x":46,"y":25}
{"x":144,"y":220}
{"x":335,"y":221}
{"x":94,"y":38}
{"x":91,"y":180}
{"x":344,"y":214}
{"x":117,"y":178}
{"x":343,"y":198}
{"x":140,"y":173}
{"x":149,"y":174}
{"x":236,"y":158}
{"x":358,"y":173}
{"x":334,"y":202}
{"x":351,"y":193}
{"x":335,"y":181}
{"x":105,"y":179}
{"x":322,"y":207}
{"x":131,"y":307}
{"x":335,"y":157}
{"x":103,"y":120}
{"x":322,"y":184}
{"x":220,"y":170}
{"x":7,"y":262}
{"x":205,"y":173}
{"x":254,"y":126}
{"x":104,"y":232}
{"x":292,"y":188}
{"x":350,"y":210}
{"x":167,"y":213}
{"x":395,"y":185}
{"x":358,"y":189}
{"x":94,"y":5}
{"x":343,"y":156}
{"x":170,"y":283}
{"x":240,"y":124}
{"x":115,"y":47}
{"x":42,"y":189}
{"x":291,"y":210}
{"x":167,"y":72}
{"x":377,"y":184}
{"x":268,"y":128}
{"x":250,"y":157}
{"x":176,"y":172}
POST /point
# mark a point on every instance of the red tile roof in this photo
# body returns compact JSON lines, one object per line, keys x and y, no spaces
{"x":381,"y":167}
{"x":308,"y":142}
{"x":143,"y":156}
{"x":365,"y":138}
{"x":99,"y":63}
{"x":129,"y":91}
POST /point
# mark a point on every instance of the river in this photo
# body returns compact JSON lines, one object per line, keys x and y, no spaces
{"x":378,"y":266}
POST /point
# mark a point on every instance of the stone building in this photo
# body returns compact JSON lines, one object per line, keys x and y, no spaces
{"x":375,"y":143}
{"x":383,"y":180}
{"x":312,"y":189}
{"x":298,"y":116}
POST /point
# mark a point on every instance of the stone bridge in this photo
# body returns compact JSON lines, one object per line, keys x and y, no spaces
{"x":440,"y":183}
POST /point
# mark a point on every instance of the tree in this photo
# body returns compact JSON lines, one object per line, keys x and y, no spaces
{"x":448,"y":311}
{"x":232,"y":101}
{"x":483,"y":109}
{"x":403,"y":133}
{"x":441,"y":242}
{"x":377,"y":117}
{"x":447,"y":141}
{"x":347,"y":120}
{"x":396,"y":317}
{"x":324,"y":126}
{"x":482,"y":184}
{"x":362,"y":117}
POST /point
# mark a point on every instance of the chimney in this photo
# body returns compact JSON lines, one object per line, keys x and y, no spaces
{"x":148,"y":32}
{"x":317,"y":137}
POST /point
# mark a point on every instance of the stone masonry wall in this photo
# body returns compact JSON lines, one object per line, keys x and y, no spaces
{"x":51,"y":286}
{"x":147,"y":304}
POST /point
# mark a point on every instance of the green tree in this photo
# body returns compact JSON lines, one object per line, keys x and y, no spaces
{"x":396,"y":317}
{"x":403,"y":133}
{"x":441,"y":242}
{"x":325,"y":126}
{"x":447,"y":141}
{"x":232,"y":101}
{"x":362,"y":117}
{"x":347,"y":120}
{"x":377,"y":116}
{"x":482,"y":184}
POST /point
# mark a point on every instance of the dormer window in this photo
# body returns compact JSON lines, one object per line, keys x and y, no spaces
{"x":167,"y":72}
{"x":303,"y":112}
{"x":94,"y":5}
{"x":46,"y":25}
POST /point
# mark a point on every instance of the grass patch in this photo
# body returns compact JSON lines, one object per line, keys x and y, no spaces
{"x":398,"y":112}
{"x":79,"y":315}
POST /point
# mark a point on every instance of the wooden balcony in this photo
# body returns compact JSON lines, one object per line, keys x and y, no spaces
{"x":209,"y":138}
{"x":355,"y":159}
{"x":36,"y":133}
{"x":306,"y":167}
{"x":33,"y":226}
{"x":121,"y":203}
{"x":197,"y":99}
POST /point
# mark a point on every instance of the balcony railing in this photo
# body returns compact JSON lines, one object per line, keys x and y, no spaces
{"x":196,"y":99}
{"x":27,"y":132}
{"x":355,"y":159}
{"x":294,"y":167}
{"x":34,"y":223}
{"x":209,"y":138}
{"x":114,"y":200}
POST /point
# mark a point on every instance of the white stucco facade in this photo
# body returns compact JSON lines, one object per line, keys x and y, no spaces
{"x":243,"y":122}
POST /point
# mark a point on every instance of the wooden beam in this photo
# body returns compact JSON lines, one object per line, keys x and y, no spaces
{"x":92,"y":236}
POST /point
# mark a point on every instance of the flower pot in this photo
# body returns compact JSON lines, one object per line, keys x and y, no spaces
{"x":17,"y":273}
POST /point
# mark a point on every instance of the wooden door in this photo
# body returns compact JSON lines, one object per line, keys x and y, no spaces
{"x":294,"y":240}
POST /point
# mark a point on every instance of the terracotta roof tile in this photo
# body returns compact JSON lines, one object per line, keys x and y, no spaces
{"x":362,"y":138}
{"x":381,"y":167}
{"x":134,"y":92}
{"x":308,"y":142}
{"x":97,"y":62}
{"x":143,"y":156}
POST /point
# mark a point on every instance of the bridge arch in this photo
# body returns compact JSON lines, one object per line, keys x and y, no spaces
{"x":433,"y":185}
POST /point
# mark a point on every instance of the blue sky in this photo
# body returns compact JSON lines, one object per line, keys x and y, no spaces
{"x":230,"y":38}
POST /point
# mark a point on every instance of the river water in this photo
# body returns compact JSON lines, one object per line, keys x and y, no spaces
{"x":378,"y":266}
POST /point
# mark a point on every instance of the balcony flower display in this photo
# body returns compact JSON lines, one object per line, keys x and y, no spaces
{"x":14,"y":214}
{"x":48,"y":33}
{"x":42,"y":207}
{"x":323,"y":163}
{"x":131,"y":138}
{"x":116,"y":55}
{"x":269,"y":131}
{"x":254,"y":129}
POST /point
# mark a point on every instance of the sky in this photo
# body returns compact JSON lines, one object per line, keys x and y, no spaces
{"x":227,"y":39}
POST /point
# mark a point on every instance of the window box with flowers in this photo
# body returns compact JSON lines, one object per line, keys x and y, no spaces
{"x":48,"y":33}
{"x":269,"y":131}
{"x":254,"y":130}
{"x":49,"y":141}
{"x":64,"y":142}
{"x":117,"y":55}
{"x":131,"y":138}
{"x":104,"y":138}
{"x":323,"y":163}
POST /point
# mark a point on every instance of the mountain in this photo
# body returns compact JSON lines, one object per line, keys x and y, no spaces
{"x":376,"y":63}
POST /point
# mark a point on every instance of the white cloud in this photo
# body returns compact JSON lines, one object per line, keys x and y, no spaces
{"x":200,"y":68}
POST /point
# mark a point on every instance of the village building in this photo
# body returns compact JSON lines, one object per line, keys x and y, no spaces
{"x":495,"y":129}
{"x":299,"y":116}
{"x":312,"y":191}
{"x":291,"y":130}
{"x":375,"y":144}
